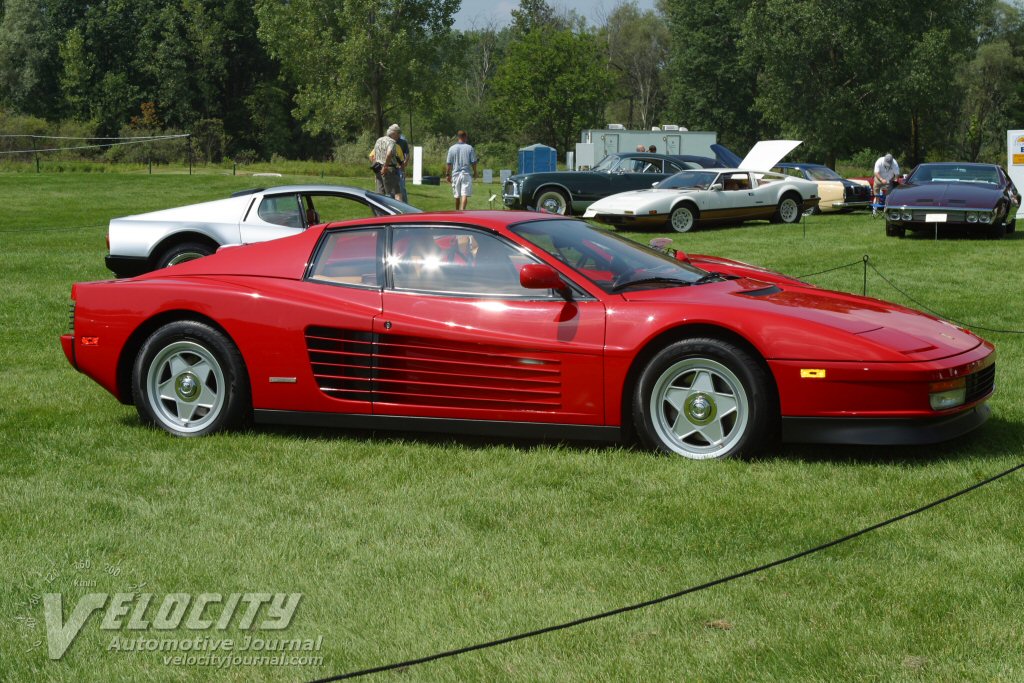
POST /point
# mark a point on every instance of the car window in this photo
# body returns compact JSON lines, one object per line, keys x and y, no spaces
{"x":822,"y":173}
{"x":794,"y":172}
{"x":325,"y":208}
{"x":696,"y":180}
{"x":457,"y":261}
{"x":673,"y":167}
{"x":735,"y":181}
{"x":650,"y":166}
{"x":281,"y":209}
{"x":348,"y":257}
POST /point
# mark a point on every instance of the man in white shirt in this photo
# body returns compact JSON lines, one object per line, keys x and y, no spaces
{"x":886,"y":170}
{"x":461,"y":169}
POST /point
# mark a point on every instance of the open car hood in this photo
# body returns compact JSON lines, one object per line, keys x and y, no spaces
{"x":767,"y":153}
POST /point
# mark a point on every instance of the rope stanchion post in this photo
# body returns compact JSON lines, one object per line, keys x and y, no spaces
{"x":866,"y":259}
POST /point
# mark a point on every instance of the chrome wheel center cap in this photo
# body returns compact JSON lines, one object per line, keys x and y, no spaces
{"x":700,"y":409}
{"x":186,"y":386}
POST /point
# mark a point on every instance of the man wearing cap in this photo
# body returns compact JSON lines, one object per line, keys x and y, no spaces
{"x":886,"y":170}
{"x":461,"y":169}
{"x":385,"y":151}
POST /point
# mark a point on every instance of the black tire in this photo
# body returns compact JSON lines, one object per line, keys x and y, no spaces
{"x":207,"y":391}
{"x":726,"y":394}
{"x":788,"y":210}
{"x":683,"y":218}
{"x":180,"y":253}
{"x":553,"y":200}
{"x":892,"y":230}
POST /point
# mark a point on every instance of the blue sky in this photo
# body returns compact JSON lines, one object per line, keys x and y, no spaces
{"x":480,"y":13}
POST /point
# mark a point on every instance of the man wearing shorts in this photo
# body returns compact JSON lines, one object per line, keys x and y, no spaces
{"x":461,"y":170}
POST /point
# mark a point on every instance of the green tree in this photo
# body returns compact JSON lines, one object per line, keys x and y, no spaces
{"x":638,"y":50}
{"x":356,"y":62}
{"x":708,"y":88}
{"x":28,"y":58}
{"x":989,"y":102}
{"x":551,"y":85}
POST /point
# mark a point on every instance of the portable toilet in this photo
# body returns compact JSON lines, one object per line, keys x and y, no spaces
{"x":537,"y":158}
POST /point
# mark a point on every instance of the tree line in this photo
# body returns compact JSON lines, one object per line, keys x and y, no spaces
{"x":301,"y":79}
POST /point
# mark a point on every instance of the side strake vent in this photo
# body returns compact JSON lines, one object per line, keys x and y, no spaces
{"x":386,"y":368}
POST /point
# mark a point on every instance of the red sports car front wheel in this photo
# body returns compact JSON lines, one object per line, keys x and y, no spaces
{"x":190,"y":380}
{"x":703,"y":399}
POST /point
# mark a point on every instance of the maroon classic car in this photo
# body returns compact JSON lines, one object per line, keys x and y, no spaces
{"x":520,"y":324}
{"x":952,"y":194}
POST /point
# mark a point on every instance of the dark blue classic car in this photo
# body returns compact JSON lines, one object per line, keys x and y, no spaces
{"x":568,"y":192}
{"x":979,"y":197}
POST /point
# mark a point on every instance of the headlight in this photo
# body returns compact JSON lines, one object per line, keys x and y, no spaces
{"x":972,"y":217}
{"x":908,"y":216}
{"x":985,"y":217}
{"x":894,"y":215}
{"x":948,"y":394}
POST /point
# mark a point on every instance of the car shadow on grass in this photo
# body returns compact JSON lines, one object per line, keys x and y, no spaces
{"x":997,"y":439}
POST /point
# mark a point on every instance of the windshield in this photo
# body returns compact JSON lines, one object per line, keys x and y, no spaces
{"x":821,"y":173}
{"x":955,"y":173}
{"x":689,"y":180}
{"x":608,"y":164}
{"x":611,"y":262}
{"x":393,"y":204}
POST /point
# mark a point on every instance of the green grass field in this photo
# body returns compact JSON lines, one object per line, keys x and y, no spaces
{"x":403,"y":545}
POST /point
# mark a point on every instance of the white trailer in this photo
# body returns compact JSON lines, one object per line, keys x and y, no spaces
{"x":668,"y":139}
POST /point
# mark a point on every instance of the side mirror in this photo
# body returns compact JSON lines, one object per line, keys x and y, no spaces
{"x":541,"y":276}
{"x":716,"y":187}
{"x":655,"y":184}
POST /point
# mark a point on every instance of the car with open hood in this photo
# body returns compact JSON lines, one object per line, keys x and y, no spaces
{"x":942,"y":195}
{"x":520,"y":324}
{"x":691,"y":199}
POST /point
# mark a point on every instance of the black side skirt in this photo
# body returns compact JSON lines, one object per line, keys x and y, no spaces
{"x":880,"y":432}
{"x":526,"y":430}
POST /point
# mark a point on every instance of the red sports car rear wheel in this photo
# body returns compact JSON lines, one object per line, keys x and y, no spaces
{"x":190,"y":380}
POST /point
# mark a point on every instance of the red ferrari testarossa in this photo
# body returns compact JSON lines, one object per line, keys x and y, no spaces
{"x":521,"y":324}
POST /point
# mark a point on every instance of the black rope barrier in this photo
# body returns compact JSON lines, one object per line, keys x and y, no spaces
{"x":665,"y":598}
{"x":934,"y":312}
{"x":830,"y":270}
{"x":866,"y":262}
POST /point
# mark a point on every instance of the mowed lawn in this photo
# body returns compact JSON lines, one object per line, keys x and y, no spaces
{"x":403,"y":545}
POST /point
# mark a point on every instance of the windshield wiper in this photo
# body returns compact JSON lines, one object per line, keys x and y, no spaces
{"x":651,"y":280}
{"x":710,"y":277}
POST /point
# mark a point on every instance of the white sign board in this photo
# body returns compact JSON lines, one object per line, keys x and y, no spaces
{"x":505,"y":175}
{"x":417,"y":165}
{"x":1015,"y":157}
{"x":488,"y":176}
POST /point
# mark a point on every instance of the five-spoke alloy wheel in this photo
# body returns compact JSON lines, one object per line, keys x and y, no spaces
{"x":703,"y":399}
{"x":189,"y":379}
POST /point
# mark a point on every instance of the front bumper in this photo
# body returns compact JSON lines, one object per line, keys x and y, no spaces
{"x":883,"y":432}
{"x":852,"y":204}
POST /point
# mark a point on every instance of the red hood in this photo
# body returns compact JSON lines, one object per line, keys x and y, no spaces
{"x":794,"y":321}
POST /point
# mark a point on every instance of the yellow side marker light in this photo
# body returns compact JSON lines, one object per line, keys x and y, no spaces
{"x":812,"y":373}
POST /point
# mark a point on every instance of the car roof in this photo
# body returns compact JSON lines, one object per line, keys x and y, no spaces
{"x":798,"y":164}
{"x":284,"y":189}
{"x":486,"y":219}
